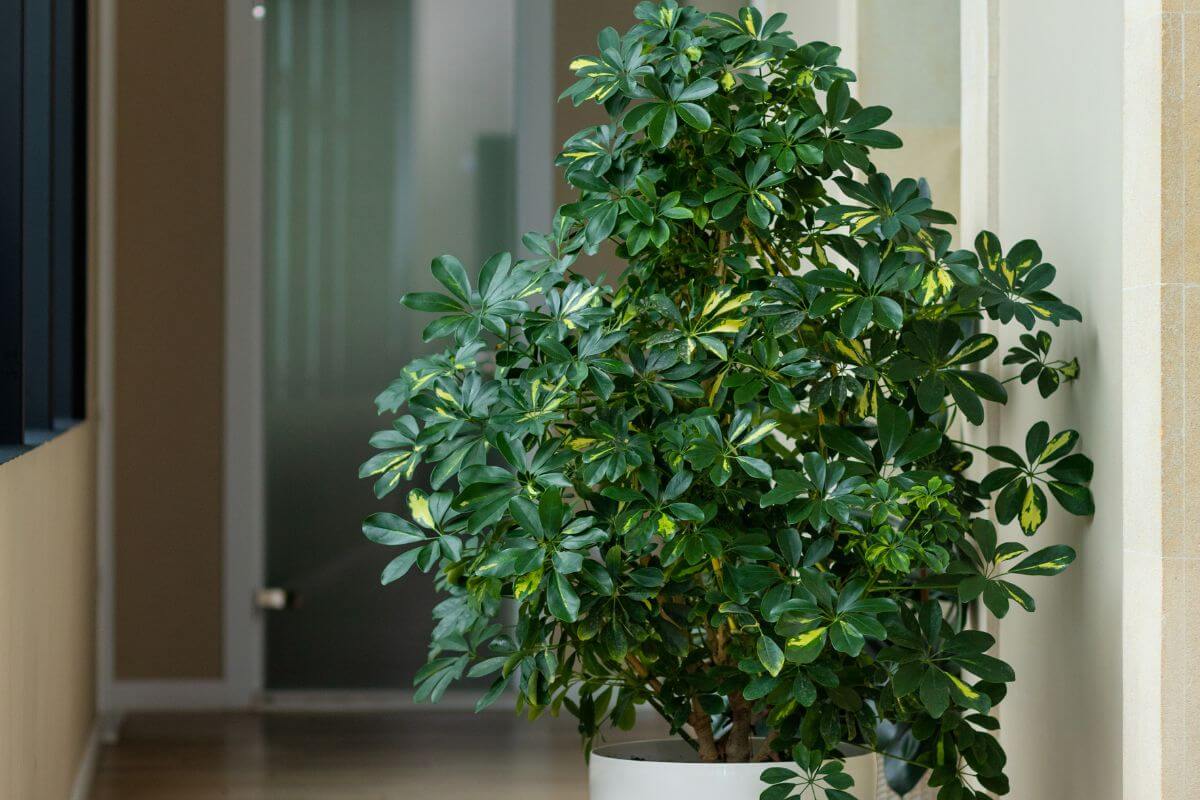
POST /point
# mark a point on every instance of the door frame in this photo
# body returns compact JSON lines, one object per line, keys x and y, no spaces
{"x":241,"y":525}
{"x":243,"y":452}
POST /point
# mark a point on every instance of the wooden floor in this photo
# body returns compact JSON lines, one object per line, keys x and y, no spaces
{"x":442,"y":755}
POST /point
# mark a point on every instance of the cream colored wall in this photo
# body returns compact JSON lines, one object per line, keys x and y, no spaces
{"x":1142,"y":610}
{"x":1060,"y":182}
{"x":907,"y":58}
{"x":47,"y":614}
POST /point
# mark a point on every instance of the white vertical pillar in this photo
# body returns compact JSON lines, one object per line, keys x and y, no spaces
{"x":978,"y":117}
{"x":847,"y":33}
{"x":832,"y":21}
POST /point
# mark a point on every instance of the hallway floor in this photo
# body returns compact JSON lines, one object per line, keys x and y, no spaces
{"x":345,"y":756}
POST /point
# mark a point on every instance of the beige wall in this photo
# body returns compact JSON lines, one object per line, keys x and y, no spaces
{"x":1178,"y":285}
{"x":47,"y":614}
{"x":170,"y":133}
{"x":1060,"y":182}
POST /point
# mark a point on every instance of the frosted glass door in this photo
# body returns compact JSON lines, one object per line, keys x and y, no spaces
{"x":383,"y":149}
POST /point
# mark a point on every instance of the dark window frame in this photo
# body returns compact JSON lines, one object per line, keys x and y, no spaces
{"x":43,"y":212}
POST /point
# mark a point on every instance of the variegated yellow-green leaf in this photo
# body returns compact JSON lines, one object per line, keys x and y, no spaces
{"x":935,"y":285}
{"x":758,"y":433}
{"x":965,"y":695}
{"x":418,"y":507}
{"x":1018,"y":595}
{"x":721,"y":302}
{"x":988,"y":247}
{"x":974,"y":349}
{"x":748,"y":21}
{"x":852,"y":349}
{"x":805,"y":647}
{"x":1033,"y":509}
{"x":527,"y":584}
{"x":867,"y":401}
{"x":1047,"y":561}
{"x":1059,"y":446}
{"x":727,"y":326}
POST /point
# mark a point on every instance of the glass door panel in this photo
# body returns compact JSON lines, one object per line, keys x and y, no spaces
{"x":382,"y":150}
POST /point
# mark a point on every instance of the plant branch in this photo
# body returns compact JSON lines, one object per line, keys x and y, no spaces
{"x":702,"y":725}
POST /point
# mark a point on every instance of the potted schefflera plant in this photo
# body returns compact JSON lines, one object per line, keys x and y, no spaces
{"x":737,"y":485}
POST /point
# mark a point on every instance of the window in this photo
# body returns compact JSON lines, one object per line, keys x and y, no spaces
{"x":43,"y":292}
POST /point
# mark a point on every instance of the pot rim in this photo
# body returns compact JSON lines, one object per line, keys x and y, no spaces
{"x":616,"y":752}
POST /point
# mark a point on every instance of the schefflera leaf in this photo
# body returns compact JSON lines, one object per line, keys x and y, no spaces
{"x":987,"y":566}
{"x":467,"y":312}
{"x":1048,"y":462}
{"x":400,"y":456}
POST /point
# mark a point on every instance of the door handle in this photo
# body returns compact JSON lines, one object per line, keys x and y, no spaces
{"x":274,"y":598}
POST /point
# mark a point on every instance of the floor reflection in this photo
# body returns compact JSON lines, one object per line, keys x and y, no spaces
{"x":347,"y":756}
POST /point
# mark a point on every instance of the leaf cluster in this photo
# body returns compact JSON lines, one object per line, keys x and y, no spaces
{"x":733,"y":484}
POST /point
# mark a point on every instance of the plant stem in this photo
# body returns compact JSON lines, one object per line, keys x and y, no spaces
{"x":702,"y":725}
{"x":737,"y":744}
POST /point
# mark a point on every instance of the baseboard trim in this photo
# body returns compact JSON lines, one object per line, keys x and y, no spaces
{"x":171,"y":695}
{"x":85,"y":772}
{"x":351,"y":701}
{"x":338,"y":700}
{"x":164,"y":695}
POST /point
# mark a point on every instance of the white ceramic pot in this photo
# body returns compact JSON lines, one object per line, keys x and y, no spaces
{"x":668,"y":769}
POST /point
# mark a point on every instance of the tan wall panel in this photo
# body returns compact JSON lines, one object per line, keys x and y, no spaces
{"x":169,"y":338}
{"x":47,"y":614}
